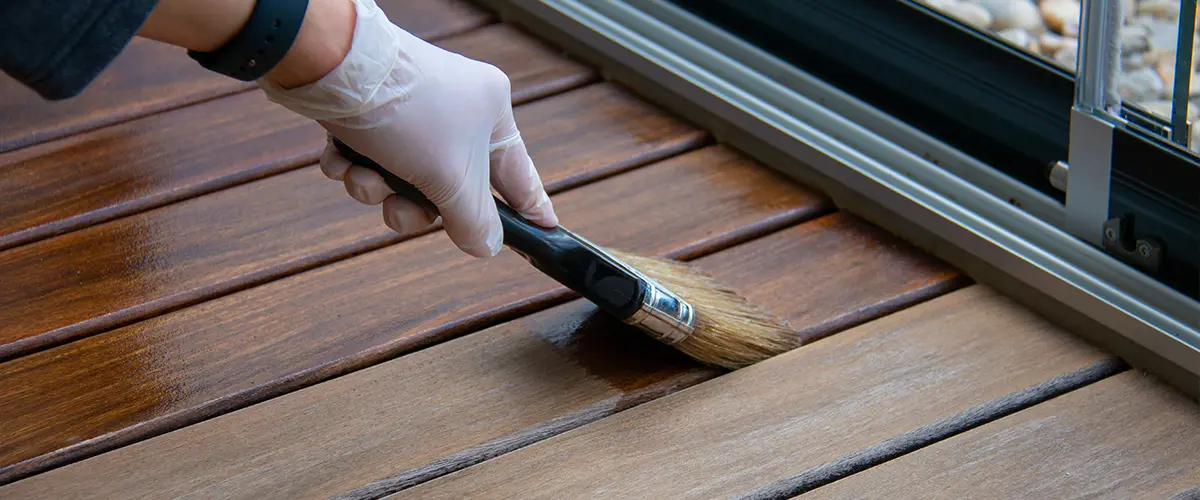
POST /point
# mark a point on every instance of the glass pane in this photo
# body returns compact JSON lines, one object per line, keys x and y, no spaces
{"x":1049,"y":30}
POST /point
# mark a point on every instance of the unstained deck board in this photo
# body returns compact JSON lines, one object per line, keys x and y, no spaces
{"x":1128,"y":436}
{"x":787,"y":414}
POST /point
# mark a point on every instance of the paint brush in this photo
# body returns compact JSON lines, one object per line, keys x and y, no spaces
{"x":670,"y":301}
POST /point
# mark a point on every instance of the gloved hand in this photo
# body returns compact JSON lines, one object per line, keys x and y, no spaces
{"x":438,"y":120}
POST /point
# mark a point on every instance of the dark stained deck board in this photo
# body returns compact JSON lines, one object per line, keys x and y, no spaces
{"x":564,"y":365}
{"x":114,"y":171}
{"x":535,"y":69}
{"x":149,"y":77}
{"x":434,"y":19}
{"x":732,"y":434}
{"x":1128,"y":436}
{"x":172,"y":370}
{"x":137,"y":266}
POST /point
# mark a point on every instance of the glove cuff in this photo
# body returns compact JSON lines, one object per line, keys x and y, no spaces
{"x":377,"y":70}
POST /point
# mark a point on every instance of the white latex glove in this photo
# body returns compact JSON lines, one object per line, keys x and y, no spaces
{"x":438,"y":120}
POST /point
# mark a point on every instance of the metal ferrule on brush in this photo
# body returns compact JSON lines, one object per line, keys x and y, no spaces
{"x":662,"y":315}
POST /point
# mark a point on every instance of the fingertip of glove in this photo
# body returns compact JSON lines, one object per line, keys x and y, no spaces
{"x":489,"y":245}
{"x":365,"y":185}
{"x":404,"y":216}
{"x":333,"y":164}
{"x":496,"y":242}
{"x":542,"y":212}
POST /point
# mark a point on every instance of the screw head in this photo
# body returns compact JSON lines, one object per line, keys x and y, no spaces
{"x":1143,"y":249}
{"x":1110,"y":234}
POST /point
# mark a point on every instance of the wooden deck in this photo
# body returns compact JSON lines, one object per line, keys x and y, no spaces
{"x":189,"y":309}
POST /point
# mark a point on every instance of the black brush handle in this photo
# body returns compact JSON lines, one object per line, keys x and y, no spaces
{"x":556,"y":252}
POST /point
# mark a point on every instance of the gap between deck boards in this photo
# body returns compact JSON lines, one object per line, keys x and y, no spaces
{"x":558,"y":179}
{"x":711,"y":172}
{"x":433,"y":20}
{"x":289,"y":142}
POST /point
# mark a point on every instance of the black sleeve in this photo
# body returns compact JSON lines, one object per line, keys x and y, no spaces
{"x":57,"y":47}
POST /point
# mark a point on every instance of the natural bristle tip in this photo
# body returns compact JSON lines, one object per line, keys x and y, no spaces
{"x":729,"y":331}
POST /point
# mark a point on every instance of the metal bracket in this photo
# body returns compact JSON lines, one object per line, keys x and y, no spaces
{"x":1144,"y":253}
{"x":1089,"y":176}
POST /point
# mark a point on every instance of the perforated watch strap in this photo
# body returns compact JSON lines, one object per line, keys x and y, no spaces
{"x":262,"y":42}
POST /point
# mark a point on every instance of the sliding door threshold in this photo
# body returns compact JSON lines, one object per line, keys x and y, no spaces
{"x":999,"y":231}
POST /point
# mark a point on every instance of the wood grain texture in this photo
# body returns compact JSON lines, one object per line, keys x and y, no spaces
{"x":1128,"y":436}
{"x":792,"y":412}
{"x":170,"y":370}
{"x":101,"y":175}
{"x":433,"y":19}
{"x":534,"y":68}
{"x":134,"y":267}
{"x":494,"y":390}
{"x":67,"y":184}
{"x":149,"y":77}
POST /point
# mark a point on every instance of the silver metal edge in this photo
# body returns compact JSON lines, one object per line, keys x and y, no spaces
{"x":804,"y":139}
{"x":1099,"y":61}
{"x":1089,"y":176}
{"x":1097,"y":106}
{"x":871,"y":118}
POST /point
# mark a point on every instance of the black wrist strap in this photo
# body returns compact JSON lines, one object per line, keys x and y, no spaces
{"x":261,"y":43}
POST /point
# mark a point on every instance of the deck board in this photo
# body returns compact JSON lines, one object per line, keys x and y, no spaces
{"x":141,"y":265}
{"x":175,"y":369}
{"x":190,"y":309}
{"x":433,"y":19}
{"x":146,"y":78}
{"x":562,"y":366}
{"x":792,"y":412}
{"x":89,"y":178}
{"x":149,"y":77}
{"x":1128,"y":436}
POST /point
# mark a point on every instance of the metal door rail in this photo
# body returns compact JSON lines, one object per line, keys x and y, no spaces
{"x":685,"y":64}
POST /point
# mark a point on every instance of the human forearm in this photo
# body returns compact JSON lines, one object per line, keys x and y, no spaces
{"x":321,"y":44}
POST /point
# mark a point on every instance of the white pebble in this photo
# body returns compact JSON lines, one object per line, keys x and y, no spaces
{"x":1018,"y":37}
{"x":1162,"y":108}
{"x":939,"y":4}
{"x":1013,"y":14}
{"x":1166,"y":73}
{"x":1062,"y":16}
{"x":1067,"y":57}
{"x":1140,"y":85}
{"x":1051,"y":43}
{"x":1161,"y":9}
{"x":969,"y":13}
{"x":1162,"y":34}
{"x":1194,"y":139}
{"x":1134,"y":39}
{"x":1131,"y":62}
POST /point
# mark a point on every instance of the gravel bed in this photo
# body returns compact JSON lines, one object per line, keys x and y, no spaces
{"x":1050,"y":29}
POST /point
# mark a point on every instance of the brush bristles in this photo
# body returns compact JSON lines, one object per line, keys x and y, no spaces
{"x":729,"y":331}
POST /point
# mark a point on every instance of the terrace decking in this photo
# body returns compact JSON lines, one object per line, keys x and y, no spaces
{"x":189,"y":309}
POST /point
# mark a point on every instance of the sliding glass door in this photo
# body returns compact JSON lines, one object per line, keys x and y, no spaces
{"x":999,"y":80}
